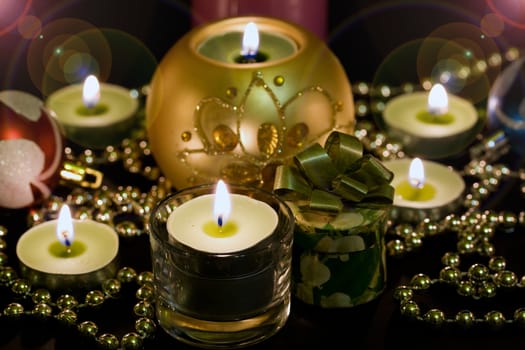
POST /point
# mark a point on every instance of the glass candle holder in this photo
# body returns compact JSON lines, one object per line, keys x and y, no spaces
{"x":221,"y":299}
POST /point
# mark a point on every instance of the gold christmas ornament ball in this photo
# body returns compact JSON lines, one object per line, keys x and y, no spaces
{"x":213,"y":113}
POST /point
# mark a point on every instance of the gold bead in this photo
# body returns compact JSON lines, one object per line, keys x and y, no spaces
{"x":478,"y":272}
{"x":465,"y":318}
{"x":403,"y":293}
{"x":420,"y":281}
{"x":410,"y":309}
{"x":186,"y":136}
{"x":42,"y":310}
{"x":434,"y":316}
{"x":88,"y":328}
{"x":111,"y":287}
{"x":450,"y":275}
{"x":126,"y":274}
{"x":67,"y":316}
{"x":144,"y":309}
{"x":145,"y":326}
{"x":131,"y":341}
{"x":108,"y":341}
{"x":94,"y":298}
{"x":41,"y":296}
{"x":278,"y":80}
{"x":66,"y":302}
{"x":14,"y":309}
{"x":495,"y":319}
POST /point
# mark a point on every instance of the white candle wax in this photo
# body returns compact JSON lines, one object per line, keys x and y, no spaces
{"x":109,"y":119}
{"x":442,"y":137}
{"x":447,"y":184}
{"x":94,"y":247}
{"x":254,"y":220}
{"x":401,"y":112}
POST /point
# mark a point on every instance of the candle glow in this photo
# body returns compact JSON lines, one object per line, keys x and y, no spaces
{"x":64,"y":231}
{"x":250,"y":40}
{"x":416,"y":173}
{"x":438,"y":100}
{"x":222,"y":204}
{"x":91,"y":91}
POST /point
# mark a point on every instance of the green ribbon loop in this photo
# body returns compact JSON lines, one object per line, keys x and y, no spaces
{"x":327,"y":178}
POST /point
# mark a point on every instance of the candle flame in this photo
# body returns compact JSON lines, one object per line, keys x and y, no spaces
{"x":250,"y":40}
{"x":65,"y":232}
{"x":91,"y":91}
{"x":222,"y":204}
{"x":438,"y":100}
{"x":416,"y":173}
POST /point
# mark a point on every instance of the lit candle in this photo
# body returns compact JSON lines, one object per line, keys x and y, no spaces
{"x":67,"y":253}
{"x":432,"y":125}
{"x":222,"y":222}
{"x":424,"y":189}
{"x":94,"y":114}
{"x":414,"y":188}
{"x":223,"y":273}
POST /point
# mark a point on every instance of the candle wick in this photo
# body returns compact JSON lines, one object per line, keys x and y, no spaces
{"x":67,"y":242}
{"x":417,"y":183}
{"x":219,"y":221}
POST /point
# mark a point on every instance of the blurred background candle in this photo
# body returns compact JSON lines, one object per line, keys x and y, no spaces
{"x":424,"y":189}
{"x":94,"y":114}
{"x":433,"y":124}
{"x":68,"y":254}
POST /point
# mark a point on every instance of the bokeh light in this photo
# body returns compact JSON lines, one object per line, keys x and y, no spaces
{"x":456,"y":55}
{"x":492,"y":25}
{"x":511,"y":12}
{"x":65,"y":52}
{"x":11,"y":13}
{"x":29,"y":27}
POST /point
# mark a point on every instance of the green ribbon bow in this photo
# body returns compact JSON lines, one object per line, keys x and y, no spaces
{"x":338,"y":174}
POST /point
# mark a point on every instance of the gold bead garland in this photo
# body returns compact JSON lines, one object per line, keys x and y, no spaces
{"x":66,"y":306}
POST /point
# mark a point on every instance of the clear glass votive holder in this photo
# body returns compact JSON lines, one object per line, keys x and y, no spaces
{"x":221,"y":300}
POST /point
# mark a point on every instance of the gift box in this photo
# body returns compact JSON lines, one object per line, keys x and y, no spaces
{"x":341,"y":199}
{"x":339,"y":261}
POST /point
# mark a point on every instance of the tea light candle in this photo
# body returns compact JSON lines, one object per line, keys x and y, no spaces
{"x":432,"y":125}
{"x":67,"y":253}
{"x":424,"y":189}
{"x":94,"y":114}
{"x":222,"y":222}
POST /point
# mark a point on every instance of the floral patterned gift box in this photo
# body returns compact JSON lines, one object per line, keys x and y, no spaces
{"x":341,"y":201}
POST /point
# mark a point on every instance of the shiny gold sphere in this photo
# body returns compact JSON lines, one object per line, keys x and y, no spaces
{"x":210,"y":117}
